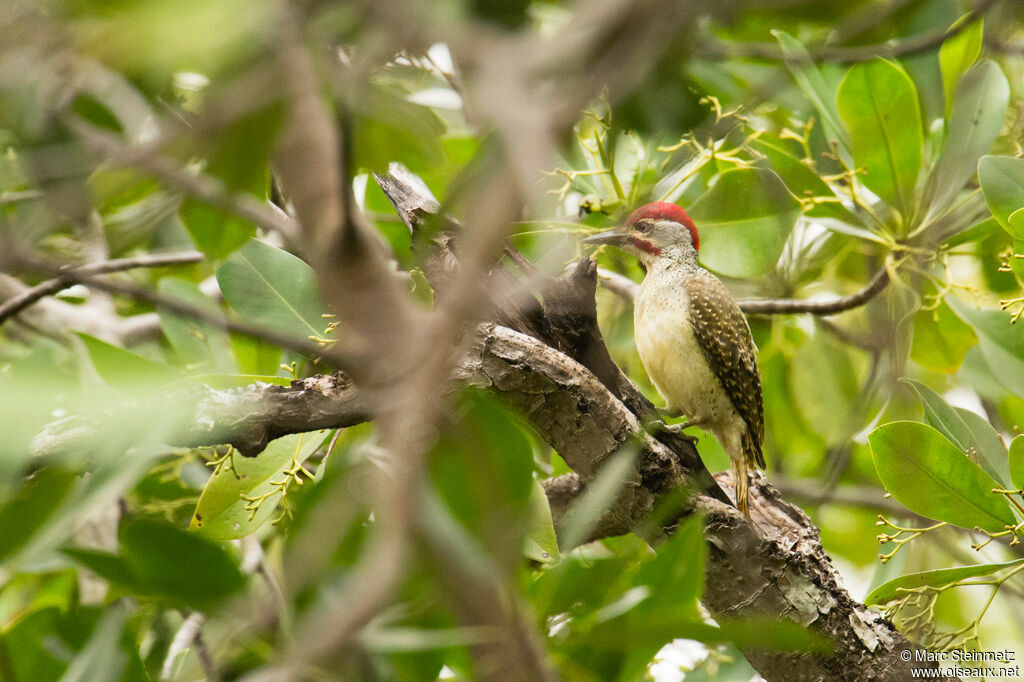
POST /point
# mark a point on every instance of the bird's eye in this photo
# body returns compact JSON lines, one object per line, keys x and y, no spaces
{"x":643,"y":227}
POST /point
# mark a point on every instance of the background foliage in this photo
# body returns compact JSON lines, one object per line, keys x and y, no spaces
{"x":815,"y":146}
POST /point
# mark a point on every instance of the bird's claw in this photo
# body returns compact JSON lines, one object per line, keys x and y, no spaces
{"x":675,"y":429}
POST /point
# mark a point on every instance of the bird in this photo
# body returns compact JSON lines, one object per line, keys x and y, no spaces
{"x":693,"y":340}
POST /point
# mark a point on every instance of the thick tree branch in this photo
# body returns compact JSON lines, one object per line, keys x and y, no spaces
{"x":247,"y":418}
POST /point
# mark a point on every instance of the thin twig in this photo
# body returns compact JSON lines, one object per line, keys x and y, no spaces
{"x":837,"y":53}
{"x":205,"y":658}
{"x":16,"y":304}
{"x":189,"y":634}
{"x":213,"y":318}
{"x":628,"y":289}
{"x":795,"y":305}
{"x":620,"y":285}
{"x":16,"y":196}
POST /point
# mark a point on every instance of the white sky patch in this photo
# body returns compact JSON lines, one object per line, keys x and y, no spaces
{"x":961,"y":396}
{"x":437,"y":98}
{"x":442,"y":57}
{"x":676,"y":657}
{"x":190,"y":80}
{"x":359,"y":189}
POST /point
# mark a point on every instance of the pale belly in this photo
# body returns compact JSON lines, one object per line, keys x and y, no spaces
{"x":675,"y":363}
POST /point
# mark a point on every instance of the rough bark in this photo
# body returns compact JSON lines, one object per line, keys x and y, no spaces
{"x":247,"y":417}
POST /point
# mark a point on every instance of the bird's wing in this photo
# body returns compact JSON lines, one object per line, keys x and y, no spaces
{"x":724,"y":336}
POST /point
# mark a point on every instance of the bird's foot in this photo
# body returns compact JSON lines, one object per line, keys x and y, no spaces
{"x":656,"y":426}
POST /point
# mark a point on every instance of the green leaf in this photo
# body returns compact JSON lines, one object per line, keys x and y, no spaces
{"x":388,"y":127}
{"x":31,"y":507}
{"x":802,"y":181}
{"x":958,"y":54}
{"x":975,"y":232}
{"x":102,"y":657}
{"x":221,"y":512}
{"x":965,"y":430}
{"x":255,"y":356}
{"x":878,"y":103}
{"x":813,"y":84}
{"x":585,"y":511}
{"x":271,"y":287}
{"x":943,"y":576}
{"x":931,"y":477}
{"x":744,"y":238}
{"x":824,"y":385}
{"x":240,"y":154}
{"x":158,"y":560}
{"x":150,"y":41}
{"x":202,"y":345}
{"x":1017,"y":258}
{"x":482,"y":468}
{"x":1016,"y":462}
{"x":541,"y":544}
{"x":1002,"y":183}
{"x":941,"y":339}
{"x":125,"y":370}
{"x":976,"y":120}
{"x":215,"y":232}
{"x":1002,"y":344}
{"x":675,"y":575}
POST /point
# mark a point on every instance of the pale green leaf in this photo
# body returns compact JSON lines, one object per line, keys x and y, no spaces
{"x":958,"y":54}
{"x":221,"y":513}
{"x":1002,"y":343}
{"x":878,"y":103}
{"x":943,"y":576}
{"x":814,"y":86}
{"x":744,"y":238}
{"x":541,"y":544}
{"x":1016,"y":462}
{"x":975,"y":121}
{"x":1002,"y":183}
{"x":966,"y":430}
{"x":931,"y":477}
{"x":127,"y":371}
{"x":271,"y":287}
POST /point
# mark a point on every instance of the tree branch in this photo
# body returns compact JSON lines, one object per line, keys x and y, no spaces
{"x":875,"y":286}
{"x":16,"y":304}
{"x":203,"y":187}
{"x":628,"y":289}
{"x":247,"y":418}
{"x":837,"y":53}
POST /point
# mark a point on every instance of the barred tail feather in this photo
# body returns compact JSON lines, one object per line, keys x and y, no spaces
{"x":753,"y":452}
{"x":741,"y":485}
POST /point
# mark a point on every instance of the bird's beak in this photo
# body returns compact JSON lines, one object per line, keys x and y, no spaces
{"x":611,"y":237}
